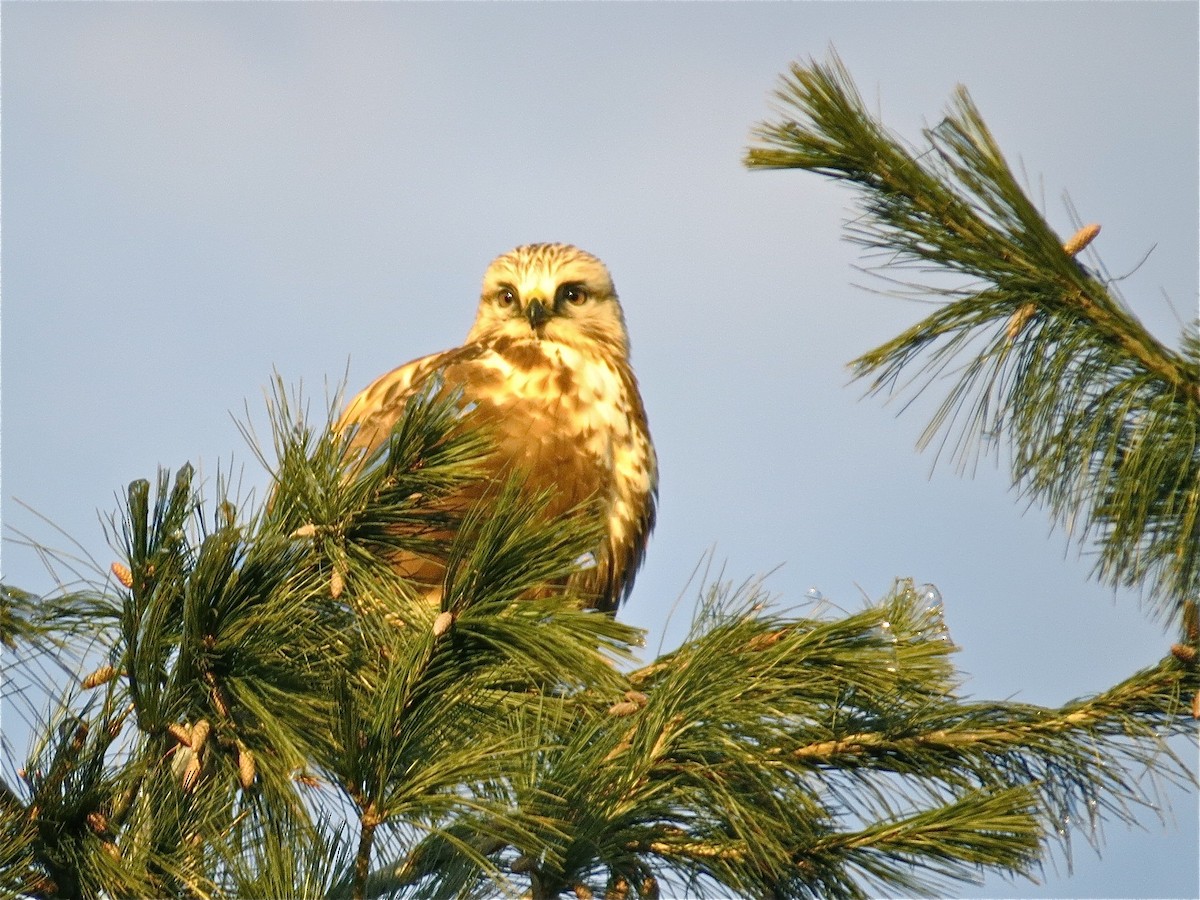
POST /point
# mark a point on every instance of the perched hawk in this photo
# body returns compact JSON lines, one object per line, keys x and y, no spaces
{"x":546,"y":366}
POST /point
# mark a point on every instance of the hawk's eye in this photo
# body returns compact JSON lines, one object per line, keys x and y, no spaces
{"x":506,"y":297}
{"x":573,"y":293}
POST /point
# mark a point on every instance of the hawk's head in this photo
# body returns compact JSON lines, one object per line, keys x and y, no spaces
{"x":550,"y":291}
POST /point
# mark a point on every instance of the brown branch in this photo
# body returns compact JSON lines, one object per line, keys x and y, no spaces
{"x":370,"y":820}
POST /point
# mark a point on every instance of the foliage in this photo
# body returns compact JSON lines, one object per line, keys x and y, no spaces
{"x":1102,"y":419}
{"x":260,"y":706}
{"x":279,"y":713}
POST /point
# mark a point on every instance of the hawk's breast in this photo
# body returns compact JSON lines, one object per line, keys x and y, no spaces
{"x":570,"y":421}
{"x":573,"y":421}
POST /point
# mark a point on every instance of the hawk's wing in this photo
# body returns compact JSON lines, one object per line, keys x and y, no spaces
{"x":372,"y":414}
{"x":378,"y":407}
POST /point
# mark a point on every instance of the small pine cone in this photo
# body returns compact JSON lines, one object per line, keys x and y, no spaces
{"x":618,"y":889}
{"x":1081,"y":239}
{"x":246,"y":770}
{"x":102,"y":675}
{"x":111,"y":849}
{"x":79,"y":738}
{"x":199,"y":735}
{"x":1196,"y":705}
{"x":118,"y":722}
{"x":650,"y":888}
{"x":637,"y":697}
{"x":1183,"y":653}
{"x":442,"y":623}
{"x":582,"y":891}
{"x":337,"y":583}
{"x":218,"y":700}
{"x":623,"y":708}
{"x":122,"y":573}
{"x":191,"y":775}
{"x":181,"y":733}
{"x":97,"y":822}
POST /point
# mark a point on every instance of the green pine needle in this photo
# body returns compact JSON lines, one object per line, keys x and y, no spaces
{"x":1102,"y":418}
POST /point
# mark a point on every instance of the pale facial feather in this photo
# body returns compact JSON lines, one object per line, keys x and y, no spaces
{"x":536,"y":272}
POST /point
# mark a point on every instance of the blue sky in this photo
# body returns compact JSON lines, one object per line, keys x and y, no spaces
{"x":197,"y":194}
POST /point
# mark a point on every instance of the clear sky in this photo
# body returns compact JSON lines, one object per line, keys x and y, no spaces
{"x":197,"y":194}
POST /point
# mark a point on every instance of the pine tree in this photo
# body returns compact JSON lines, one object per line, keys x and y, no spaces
{"x":260,"y":707}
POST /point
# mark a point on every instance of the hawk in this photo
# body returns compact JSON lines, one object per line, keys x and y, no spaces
{"x":546,"y":367}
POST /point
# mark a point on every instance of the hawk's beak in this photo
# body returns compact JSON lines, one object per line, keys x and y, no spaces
{"x":537,"y":314}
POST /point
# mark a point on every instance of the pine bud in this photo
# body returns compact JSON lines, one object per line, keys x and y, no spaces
{"x":582,"y":891}
{"x":115,"y":726}
{"x":1196,"y":705}
{"x":122,"y":573}
{"x":337,"y":583}
{"x":442,"y":623}
{"x":305,"y":531}
{"x":102,"y":675}
{"x":637,"y":697}
{"x":623,"y":708}
{"x":181,"y":733}
{"x":191,"y":775}
{"x":199,"y":735}
{"x":1018,"y":319}
{"x":218,"y":700}
{"x":245,"y":765}
{"x":1081,"y":239}
{"x":1183,"y":653}
{"x":618,"y":889}
{"x":97,"y":822}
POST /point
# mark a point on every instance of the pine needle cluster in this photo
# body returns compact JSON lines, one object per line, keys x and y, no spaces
{"x":1037,"y":350}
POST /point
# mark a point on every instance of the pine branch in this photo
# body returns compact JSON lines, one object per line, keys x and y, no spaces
{"x":994,"y":829}
{"x":1103,"y":419}
{"x":279,"y":725}
{"x":802,"y":757}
